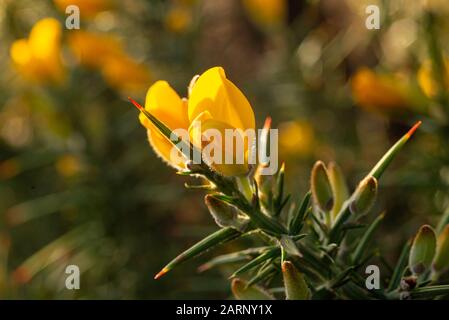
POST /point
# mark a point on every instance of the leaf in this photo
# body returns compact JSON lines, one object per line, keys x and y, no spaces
{"x":430,"y":292}
{"x":279,"y":189}
{"x":264,"y":274}
{"x":226,"y":215}
{"x":295,"y":285}
{"x":221,"y":236}
{"x":441,"y":260}
{"x":364,"y":196}
{"x":422,"y":250}
{"x":297,"y":220}
{"x":233,"y":257}
{"x":385,"y":161}
{"x":289,"y":245}
{"x":270,"y":253}
{"x":376,"y":172}
{"x":444,"y":220}
{"x":321,"y":188}
{"x":363,"y":243}
{"x":400,"y":267}
{"x":339,"y":187}
{"x":243,"y":292}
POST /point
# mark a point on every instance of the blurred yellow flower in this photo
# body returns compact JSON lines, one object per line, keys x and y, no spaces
{"x":125,"y":74}
{"x":296,"y":138}
{"x":178,"y":18}
{"x":426,"y":79}
{"x":68,"y":165}
{"x":38,"y":57}
{"x":88,"y":8}
{"x":92,"y":48}
{"x":214,"y":102}
{"x":105,"y":52}
{"x":266,"y":13}
{"x":379,"y":93}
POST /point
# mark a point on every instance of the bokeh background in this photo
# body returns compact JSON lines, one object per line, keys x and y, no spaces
{"x":79,"y":183}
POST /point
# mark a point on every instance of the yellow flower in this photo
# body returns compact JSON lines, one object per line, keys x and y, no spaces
{"x":91,"y":48}
{"x":426,"y":79}
{"x":166,"y":105}
{"x":178,"y":18}
{"x":88,"y":8}
{"x":105,"y":52}
{"x":68,"y":165}
{"x":378,"y":93}
{"x":266,"y":13}
{"x":38,"y":57}
{"x":214,"y":103}
{"x":296,"y":138}
{"x":125,"y":74}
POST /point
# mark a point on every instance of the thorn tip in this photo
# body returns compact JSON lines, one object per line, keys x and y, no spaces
{"x":135,"y":103}
{"x":161,"y":273}
{"x":413,"y":129}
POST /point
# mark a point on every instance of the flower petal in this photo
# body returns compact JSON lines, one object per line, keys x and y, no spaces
{"x":214,"y":93}
{"x":165,"y":104}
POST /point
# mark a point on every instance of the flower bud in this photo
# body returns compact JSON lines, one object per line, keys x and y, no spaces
{"x":295,"y":286}
{"x":422,"y":250}
{"x":408,"y":283}
{"x":243,"y":292}
{"x":225,"y":215}
{"x":441,"y":260}
{"x":364,"y":196}
{"x":321,"y":187}
{"x":339,"y":188}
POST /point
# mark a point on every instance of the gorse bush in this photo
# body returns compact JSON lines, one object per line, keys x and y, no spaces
{"x":315,"y":249}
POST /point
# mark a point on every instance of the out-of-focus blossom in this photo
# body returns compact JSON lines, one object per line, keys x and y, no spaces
{"x":125,"y":74}
{"x":68,"y":165}
{"x":214,"y":102}
{"x":296,"y":138}
{"x":426,"y":79}
{"x":266,"y":13}
{"x":105,"y":52}
{"x":88,"y":8}
{"x":178,"y":18}
{"x":38,"y":57}
{"x":383,"y":94}
{"x":91,"y":49}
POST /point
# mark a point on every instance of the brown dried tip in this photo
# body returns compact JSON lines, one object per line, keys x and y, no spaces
{"x":413,"y":129}
{"x":286,"y":266}
{"x":161,"y":273}
{"x":135,"y":103}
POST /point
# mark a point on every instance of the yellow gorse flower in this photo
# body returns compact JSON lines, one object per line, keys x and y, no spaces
{"x":426,"y":79}
{"x":296,"y":138}
{"x":106,"y":53}
{"x":38,"y":57}
{"x":214,"y":102}
{"x":178,"y":18}
{"x":378,"y":93}
{"x":266,"y":13}
{"x":91,"y":48}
